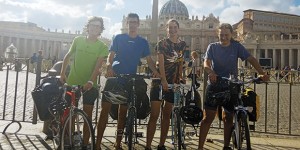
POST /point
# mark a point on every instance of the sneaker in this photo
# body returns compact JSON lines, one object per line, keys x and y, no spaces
{"x":147,"y":148}
{"x":161,"y":147}
{"x":227,"y":148}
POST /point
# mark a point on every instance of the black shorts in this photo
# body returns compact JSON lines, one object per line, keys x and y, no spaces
{"x":140,"y":87}
{"x":209,"y":103}
{"x":155,"y":90}
{"x":89,"y":97}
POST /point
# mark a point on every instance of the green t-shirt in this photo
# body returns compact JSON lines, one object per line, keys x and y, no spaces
{"x":85,"y":55}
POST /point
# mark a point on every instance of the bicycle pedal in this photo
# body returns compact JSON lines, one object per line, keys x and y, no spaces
{"x":139,"y":134}
{"x":252,"y":127}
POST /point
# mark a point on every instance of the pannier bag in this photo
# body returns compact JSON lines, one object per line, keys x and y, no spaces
{"x":142,"y":99}
{"x":251,"y":99}
{"x":45,"y":93}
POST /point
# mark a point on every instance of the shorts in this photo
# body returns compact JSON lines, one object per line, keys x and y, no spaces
{"x":228,"y":106}
{"x":111,"y":83}
{"x":89,"y":97}
{"x":155,"y":90}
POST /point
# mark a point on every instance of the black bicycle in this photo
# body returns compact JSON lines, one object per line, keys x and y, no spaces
{"x":120,"y":96}
{"x":240,"y":131}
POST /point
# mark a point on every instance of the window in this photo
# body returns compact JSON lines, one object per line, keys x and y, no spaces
{"x":210,"y":26}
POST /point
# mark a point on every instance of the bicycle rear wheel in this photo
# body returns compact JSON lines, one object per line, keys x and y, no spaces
{"x":72,"y":136}
{"x":130,"y":129}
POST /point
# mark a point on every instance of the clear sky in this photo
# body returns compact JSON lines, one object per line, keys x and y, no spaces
{"x":72,"y":14}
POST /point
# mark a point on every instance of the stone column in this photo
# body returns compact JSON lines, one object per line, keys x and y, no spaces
{"x":282,"y":58}
{"x":266,"y":53}
{"x":291,"y":58}
{"x":1,"y":44}
{"x":154,"y":22}
{"x":298,"y":57}
{"x":255,"y":53}
{"x":274,"y":58}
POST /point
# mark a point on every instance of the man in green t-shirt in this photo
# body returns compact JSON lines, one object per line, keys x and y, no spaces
{"x":88,"y":54}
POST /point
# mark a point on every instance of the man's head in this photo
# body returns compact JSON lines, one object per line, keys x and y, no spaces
{"x":225,"y":31}
{"x":94,"y":25}
{"x":133,"y":22}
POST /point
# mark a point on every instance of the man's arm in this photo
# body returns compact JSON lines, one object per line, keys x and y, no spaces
{"x":152,"y":66}
{"x":64,"y":67}
{"x":109,"y":71}
{"x":253,"y":61}
{"x":96,"y":71}
{"x":212,"y":76}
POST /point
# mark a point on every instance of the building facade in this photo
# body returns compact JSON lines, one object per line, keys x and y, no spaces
{"x":271,"y":35}
{"x":28,"y":38}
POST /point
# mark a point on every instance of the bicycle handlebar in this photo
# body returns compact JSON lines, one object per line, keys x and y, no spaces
{"x":240,"y":82}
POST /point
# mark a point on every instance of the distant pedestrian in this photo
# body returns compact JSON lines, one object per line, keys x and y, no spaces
{"x":33,"y":63}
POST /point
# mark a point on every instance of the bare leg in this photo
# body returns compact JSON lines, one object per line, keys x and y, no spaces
{"x":165,"y":123}
{"x":88,"y":109}
{"x":209,"y":116}
{"x":121,"y":123}
{"x":103,"y":118}
{"x":228,"y":124}
{"x":155,"y":110}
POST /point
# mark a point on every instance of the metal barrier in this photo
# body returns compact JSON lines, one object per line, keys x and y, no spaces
{"x":280,"y":113}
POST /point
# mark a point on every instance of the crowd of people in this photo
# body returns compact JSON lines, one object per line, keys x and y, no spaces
{"x":89,"y":55}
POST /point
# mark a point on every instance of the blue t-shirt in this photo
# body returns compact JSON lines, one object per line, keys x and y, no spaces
{"x":225,"y":59}
{"x":128,"y":52}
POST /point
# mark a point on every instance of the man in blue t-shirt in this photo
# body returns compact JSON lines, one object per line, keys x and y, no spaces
{"x":221,"y":59}
{"x":124,"y":56}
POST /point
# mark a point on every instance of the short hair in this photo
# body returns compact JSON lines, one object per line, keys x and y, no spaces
{"x":172,"y":20}
{"x":194,"y":53}
{"x":133,"y":15}
{"x":94,"y":18}
{"x":226,"y":26}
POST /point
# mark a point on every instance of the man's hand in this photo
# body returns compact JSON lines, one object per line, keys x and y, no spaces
{"x":265,"y":77}
{"x":109,"y":72}
{"x":212,"y":77}
{"x":88,"y":85}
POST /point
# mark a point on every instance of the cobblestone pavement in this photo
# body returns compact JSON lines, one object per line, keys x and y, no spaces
{"x":268,"y":121}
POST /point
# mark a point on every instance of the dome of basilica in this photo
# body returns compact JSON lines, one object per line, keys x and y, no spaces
{"x":174,"y":8}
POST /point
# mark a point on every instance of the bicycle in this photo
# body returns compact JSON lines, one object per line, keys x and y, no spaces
{"x":121,"y":96}
{"x":178,"y":126}
{"x":67,"y":125}
{"x":240,"y":130}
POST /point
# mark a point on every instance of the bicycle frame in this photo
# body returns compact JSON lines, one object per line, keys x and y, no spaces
{"x":240,"y":129}
{"x":176,"y":123}
{"x":69,"y":121}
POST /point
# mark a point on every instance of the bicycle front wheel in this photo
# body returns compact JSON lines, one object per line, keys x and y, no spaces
{"x":130,"y":129}
{"x":178,"y":131}
{"x":246,"y":132}
{"x":77,"y":132}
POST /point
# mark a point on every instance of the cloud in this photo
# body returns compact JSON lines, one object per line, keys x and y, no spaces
{"x":116,"y":4}
{"x":112,"y":30}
